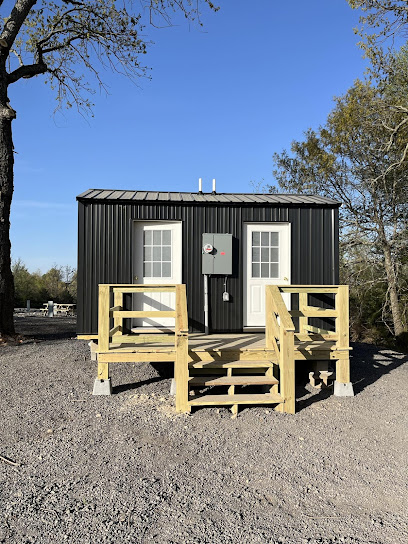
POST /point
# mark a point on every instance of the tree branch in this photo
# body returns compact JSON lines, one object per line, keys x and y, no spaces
{"x":26,"y":71}
{"x":13,"y":24}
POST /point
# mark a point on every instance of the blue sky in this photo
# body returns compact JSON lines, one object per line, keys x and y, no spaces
{"x":221,"y":101}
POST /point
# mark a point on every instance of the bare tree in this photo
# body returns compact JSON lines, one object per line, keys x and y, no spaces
{"x":64,"y":40}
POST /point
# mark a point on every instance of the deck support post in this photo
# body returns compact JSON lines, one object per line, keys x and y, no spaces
{"x":342,"y":385}
{"x":103,"y":371}
{"x":287,"y":369}
{"x":181,"y":374}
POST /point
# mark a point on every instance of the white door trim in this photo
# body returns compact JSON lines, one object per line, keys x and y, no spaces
{"x":164,"y":301}
{"x":256,"y":319}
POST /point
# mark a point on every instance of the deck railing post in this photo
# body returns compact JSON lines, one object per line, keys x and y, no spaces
{"x":181,"y":374}
{"x":103,"y":317}
{"x":342,"y":329}
{"x":102,"y":384}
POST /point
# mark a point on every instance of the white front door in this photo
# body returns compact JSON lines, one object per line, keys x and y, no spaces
{"x":266,"y":261}
{"x":157,"y":260}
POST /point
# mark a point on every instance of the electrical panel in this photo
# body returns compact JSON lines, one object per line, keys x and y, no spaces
{"x":217,"y":254}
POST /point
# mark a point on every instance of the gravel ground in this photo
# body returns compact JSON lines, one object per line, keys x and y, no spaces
{"x":126,"y":468}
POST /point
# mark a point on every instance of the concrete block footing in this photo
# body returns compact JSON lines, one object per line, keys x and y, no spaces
{"x":173,"y":387}
{"x":343,"y":389}
{"x":102,"y":387}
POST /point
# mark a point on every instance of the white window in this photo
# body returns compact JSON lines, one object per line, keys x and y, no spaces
{"x":157,"y":254}
{"x":265,"y":254}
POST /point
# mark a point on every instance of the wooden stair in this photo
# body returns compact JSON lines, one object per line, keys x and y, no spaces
{"x":214,"y":363}
{"x":243,"y":377}
{"x":232,"y":380}
{"x":219,"y":400}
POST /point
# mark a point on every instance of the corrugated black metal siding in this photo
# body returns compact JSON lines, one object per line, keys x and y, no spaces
{"x":105,"y":251}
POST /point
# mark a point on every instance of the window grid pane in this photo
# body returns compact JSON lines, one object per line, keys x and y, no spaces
{"x":265,"y":254}
{"x":157,"y":253}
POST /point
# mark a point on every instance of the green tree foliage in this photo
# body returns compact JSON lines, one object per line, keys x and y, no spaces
{"x":382,"y":21}
{"x":58,"y":284}
{"x":359,"y":159}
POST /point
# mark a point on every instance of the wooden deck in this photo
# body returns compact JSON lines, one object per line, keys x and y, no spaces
{"x":200,"y":345}
{"x":207,"y":364}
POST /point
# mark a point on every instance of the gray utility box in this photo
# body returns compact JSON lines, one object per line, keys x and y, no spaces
{"x":217,"y":254}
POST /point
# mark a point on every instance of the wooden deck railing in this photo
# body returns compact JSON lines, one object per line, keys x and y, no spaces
{"x":339,"y":312}
{"x":283,"y":337}
{"x":111,"y":331}
{"x":279,"y":333}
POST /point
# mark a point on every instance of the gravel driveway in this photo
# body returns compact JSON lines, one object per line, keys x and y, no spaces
{"x":126,"y":468}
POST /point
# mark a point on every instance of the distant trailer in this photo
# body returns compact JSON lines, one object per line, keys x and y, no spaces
{"x":146,"y":237}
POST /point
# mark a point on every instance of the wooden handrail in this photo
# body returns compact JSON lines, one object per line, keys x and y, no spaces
{"x":281,"y":336}
{"x":309,"y":288}
{"x":143,"y":313}
{"x":279,"y":307}
{"x":271,"y":324}
{"x":144,"y":288}
{"x":311,"y":311}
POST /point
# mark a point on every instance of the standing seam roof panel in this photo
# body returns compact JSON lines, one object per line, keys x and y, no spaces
{"x":223,"y":198}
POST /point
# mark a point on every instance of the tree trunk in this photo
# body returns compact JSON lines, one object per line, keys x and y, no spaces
{"x":393,"y":289}
{"x":7,"y":114}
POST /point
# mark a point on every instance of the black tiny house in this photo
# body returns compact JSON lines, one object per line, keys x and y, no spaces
{"x":157,"y":237}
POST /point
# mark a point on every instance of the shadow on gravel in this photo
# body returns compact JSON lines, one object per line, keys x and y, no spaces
{"x":135,"y":385}
{"x":164,"y":371}
{"x":318,"y":396}
{"x":369,"y":363}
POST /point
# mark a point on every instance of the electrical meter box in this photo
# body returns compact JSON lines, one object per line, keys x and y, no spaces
{"x":217,"y":254}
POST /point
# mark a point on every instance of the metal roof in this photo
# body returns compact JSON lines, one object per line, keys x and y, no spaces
{"x":219,"y":198}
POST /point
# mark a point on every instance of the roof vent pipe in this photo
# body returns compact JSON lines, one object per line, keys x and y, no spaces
{"x":213,"y":191}
{"x":200,"y":186}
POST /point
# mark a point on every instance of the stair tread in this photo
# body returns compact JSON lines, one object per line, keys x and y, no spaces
{"x":233,"y":380}
{"x":216,"y":400}
{"x":231,"y":364}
